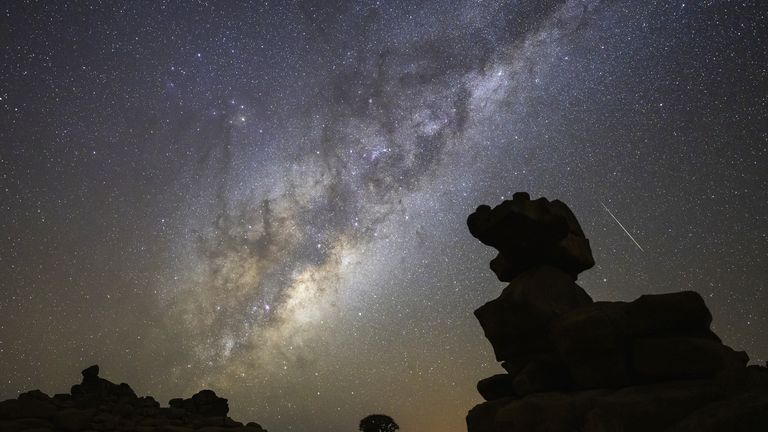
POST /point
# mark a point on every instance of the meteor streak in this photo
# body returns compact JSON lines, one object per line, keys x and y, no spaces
{"x":622,"y":227}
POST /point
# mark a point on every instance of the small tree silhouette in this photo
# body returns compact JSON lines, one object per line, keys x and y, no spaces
{"x":378,"y":423}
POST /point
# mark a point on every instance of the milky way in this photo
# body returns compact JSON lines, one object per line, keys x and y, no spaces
{"x":269,"y":200}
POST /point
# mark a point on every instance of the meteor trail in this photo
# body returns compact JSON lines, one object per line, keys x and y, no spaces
{"x":622,"y":227}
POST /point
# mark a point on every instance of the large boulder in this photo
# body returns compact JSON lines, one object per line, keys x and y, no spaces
{"x":682,"y":313}
{"x":94,"y":388}
{"x":90,"y":374}
{"x":529,"y":233}
{"x":204,"y":403}
{"x":591,"y":342}
{"x":516,"y":322}
{"x":208,"y":404}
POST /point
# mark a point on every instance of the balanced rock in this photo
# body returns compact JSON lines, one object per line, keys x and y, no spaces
{"x":90,"y":374}
{"x":204,"y":403}
{"x":529,"y":233}
{"x":94,"y":387}
{"x":574,"y":364}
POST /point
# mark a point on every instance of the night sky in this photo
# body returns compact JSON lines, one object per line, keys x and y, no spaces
{"x":269,"y":198}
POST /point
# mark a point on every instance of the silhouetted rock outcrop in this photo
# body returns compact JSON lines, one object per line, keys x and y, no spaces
{"x":652,"y":364}
{"x":531,"y":233}
{"x":204,"y":402}
{"x":97,"y":404}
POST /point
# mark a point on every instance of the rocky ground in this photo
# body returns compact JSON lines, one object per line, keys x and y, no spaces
{"x":573,"y":364}
{"x":97,"y":404}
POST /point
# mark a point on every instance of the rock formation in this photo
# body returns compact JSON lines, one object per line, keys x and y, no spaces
{"x":97,"y":404}
{"x":573,"y":364}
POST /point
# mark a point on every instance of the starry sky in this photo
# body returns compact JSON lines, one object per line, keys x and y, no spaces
{"x":269,"y":198}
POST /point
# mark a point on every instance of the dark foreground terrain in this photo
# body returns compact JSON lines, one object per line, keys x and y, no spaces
{"x":97,"y":404}
{"x":574,"y":364}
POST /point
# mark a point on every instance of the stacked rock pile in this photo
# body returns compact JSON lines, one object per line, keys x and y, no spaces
{"x":573,"y":364}
{"x":97,"y":404}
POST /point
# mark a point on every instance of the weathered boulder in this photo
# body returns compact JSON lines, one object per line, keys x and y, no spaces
{"x":591,"y":342}
{"x":204,"y":402}
{"x":516,"y":322}
{"x":208,"y":404}
{"x":90,"y":374}
{"x":682,"y":313}
{"x":529,"y":233}
{"x":95,"y":388}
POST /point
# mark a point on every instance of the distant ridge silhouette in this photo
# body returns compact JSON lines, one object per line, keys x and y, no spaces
{"x":97,"y":404}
